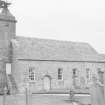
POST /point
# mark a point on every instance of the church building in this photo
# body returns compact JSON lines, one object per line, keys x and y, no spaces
{"x":44,"y":65}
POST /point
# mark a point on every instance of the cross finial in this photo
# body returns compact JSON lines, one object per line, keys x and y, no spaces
{"x":4,"y":4}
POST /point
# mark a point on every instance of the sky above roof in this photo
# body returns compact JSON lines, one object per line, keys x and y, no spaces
{"x":72,"y":20}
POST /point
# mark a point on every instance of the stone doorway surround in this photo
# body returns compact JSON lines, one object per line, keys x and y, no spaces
{"x":47,"y":82}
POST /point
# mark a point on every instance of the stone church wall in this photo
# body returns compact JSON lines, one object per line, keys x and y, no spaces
{"x":20,"y":71}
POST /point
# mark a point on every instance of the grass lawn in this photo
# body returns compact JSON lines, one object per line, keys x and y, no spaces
{"x":39,"y":99}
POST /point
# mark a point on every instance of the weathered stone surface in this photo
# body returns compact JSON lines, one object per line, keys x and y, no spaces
{"x":46,"y":57}
{"x":20,"y":70}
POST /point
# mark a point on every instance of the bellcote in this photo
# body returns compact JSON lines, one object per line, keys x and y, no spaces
{"x":7,"y":24}
{"x":7,"y":16}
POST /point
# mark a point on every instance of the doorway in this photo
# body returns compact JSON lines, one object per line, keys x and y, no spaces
{"x":47,"y":82}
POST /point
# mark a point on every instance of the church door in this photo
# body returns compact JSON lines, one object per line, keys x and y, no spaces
{"x":47,"y":83}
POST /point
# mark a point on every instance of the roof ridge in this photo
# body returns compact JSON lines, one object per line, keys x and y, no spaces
{"x":54,"y":40}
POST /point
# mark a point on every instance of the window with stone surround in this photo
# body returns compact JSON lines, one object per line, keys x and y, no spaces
{"x":100,"y":75}
{"x":60,"y":74}
{"x":75,"y":72}
{"x":31,"y":73}
{"x":88,"y":73}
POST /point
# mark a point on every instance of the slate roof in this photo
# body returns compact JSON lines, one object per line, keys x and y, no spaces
{"x":103,"y":55}
{"x":45,"y":49}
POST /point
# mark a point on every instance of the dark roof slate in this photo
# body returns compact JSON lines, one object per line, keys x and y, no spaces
{"x":45,"y":49}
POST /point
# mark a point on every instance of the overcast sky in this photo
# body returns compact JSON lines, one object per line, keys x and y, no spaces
{"x":73,"y":20}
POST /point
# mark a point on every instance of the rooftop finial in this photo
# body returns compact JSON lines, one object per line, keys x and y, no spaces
{"x":4,"y":4}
